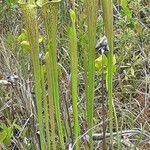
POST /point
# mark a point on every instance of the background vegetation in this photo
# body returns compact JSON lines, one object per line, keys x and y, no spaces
{"x":53,"y":88}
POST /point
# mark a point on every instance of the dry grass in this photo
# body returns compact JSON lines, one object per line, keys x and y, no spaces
{"x":131,"y":96}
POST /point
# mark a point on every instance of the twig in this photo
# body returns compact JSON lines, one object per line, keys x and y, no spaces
{"x":4,"y":82}
{"x":99,"y":136}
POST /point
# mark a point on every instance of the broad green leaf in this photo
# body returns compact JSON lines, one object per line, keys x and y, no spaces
{"x":6,"y":134}
{"x":73,"y":16}
{"x":25,"y":44}
{"x":23,"y":35}
{"x":98,"y":63}
{"x":11,"y":2}
{"x":40,"y":39}
{"x":3,"y":126}
{"x":3,"y":135}
{"x":126,"y":9}
{"x":7,"y":140}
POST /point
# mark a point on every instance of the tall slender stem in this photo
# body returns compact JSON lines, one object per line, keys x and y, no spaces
{"x":74,"y":73}
{"x":30,"y":18}
{"x":108,"y":24}
{"x":50,"y":96}
{"x":46,"y":117}
{"x":50,"y":16}
{"x":91,"y":6}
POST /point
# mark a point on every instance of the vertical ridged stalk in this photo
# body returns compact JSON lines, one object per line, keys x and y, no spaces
{"x":50,"y":96}
{"x":50,"y":16}
{"x":108,"y":25}
{"x":30,"y":19}
{"x":74,"y":74}
{"x":43,"y":84}
{"x":91,"y":6}
{"x":85,"y":71}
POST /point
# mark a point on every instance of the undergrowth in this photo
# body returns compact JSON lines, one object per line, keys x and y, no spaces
{"x":52,"y":81}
